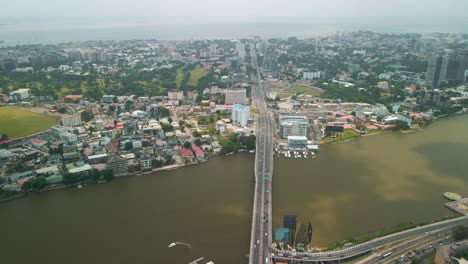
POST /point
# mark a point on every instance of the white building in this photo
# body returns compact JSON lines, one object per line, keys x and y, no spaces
{"x":382,"y":85}
{"x":311,"y":75}
{"x":240,"y":114}
{"x":236,"y":96}
{"x":293,"y":126}
{"x":20,"y":94}
{"x":71,"y":121}
{"x":69,"y":137}
{"x":175,"y":95}
{"x":58,"y":130}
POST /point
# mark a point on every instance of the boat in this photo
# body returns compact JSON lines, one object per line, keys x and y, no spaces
{"x":172,"y":245}
{"x":80,"y":186}
{"x":452,"y":196}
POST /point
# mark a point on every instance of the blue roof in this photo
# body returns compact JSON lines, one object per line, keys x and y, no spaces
{"x":282,"y":234}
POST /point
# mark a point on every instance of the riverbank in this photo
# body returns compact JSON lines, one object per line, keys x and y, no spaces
{"x":383,"y":232}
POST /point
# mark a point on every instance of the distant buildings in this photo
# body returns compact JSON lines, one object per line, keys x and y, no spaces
{"x":175,"y":95}
{"x":234,"y":62}
{"x":236,"y":96}
{"x":240,"y":114}
{"x":382,"y":85}
{"x":310,"y":75}
{"x":20,"y":94}
{"x":270,"y":61}
{"x":71,"y":121}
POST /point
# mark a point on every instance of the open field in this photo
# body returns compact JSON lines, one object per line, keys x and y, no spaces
{"x":16,"y":122}
{"x":195,"y":75}
{"x":303,"y":90}
{"x":346,"y":135}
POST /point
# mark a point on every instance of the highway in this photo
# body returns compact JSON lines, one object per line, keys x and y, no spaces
{"x":371,"y":245}
{"x":261,"y":250}
{"x":261,"y":235}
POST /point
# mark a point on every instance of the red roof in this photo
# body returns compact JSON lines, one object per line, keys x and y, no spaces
{"x":198,"y":150}
{"x":71,"y":96}
{"x":6,"y":141}
{"x":185,"y":152}
{"x":38,"y":141}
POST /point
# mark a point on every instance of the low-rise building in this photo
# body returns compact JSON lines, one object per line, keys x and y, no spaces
{"x":118,"y":165}
{"x":20,"y":94}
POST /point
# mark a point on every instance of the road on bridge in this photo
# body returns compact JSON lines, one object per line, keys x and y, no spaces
{"x":261,"y":235}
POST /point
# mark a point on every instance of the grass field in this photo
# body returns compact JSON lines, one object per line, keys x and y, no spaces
{"x":347,"y":134}
{"x":195,"y":75}
{"x":303,"y":89}
{"x":17,"y":123}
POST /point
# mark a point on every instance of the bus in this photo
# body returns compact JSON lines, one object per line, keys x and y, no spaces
{"x":387,"y":254}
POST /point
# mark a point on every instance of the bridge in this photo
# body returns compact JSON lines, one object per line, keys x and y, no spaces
{"x":261,"y":234}
{"x":261,"y":250}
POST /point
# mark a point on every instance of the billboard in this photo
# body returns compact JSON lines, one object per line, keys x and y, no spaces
{"x":334,"y":129}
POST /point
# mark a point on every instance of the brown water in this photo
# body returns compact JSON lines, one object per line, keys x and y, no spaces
{"x":363,"y":185}
{"x":352,"y":188}
{"x":134,"y":219}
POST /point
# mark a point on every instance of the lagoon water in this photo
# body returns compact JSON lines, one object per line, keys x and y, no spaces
{"x":352,"y":188}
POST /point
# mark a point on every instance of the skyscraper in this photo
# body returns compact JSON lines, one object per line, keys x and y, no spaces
{"x":453,"y":68}
{"x":270,"y":61}
{"x":240,"y":114}
{"x":433,"y":71}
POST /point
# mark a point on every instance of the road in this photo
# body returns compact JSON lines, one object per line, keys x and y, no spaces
{"x":261,"y":235}
{"x":371,"y":245}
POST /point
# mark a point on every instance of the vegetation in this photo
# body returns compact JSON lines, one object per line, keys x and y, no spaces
{"x":17,"y":123}
{"x":234,"y":143}
{"x":346,"y":135}
{"x":303,"y":90}
{"x":460,"y":233}
{"x":401,"y":125}
{"x":370,"y":236}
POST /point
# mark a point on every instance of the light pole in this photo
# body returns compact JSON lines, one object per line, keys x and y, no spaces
{"x":173,"y":244}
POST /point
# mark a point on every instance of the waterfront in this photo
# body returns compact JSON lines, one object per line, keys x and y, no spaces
{"x":133,"y":219}
{"x":369,"y":183}
{"x":352,"y":188}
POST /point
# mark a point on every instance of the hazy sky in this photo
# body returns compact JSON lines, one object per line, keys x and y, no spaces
{"x":206,"y":10}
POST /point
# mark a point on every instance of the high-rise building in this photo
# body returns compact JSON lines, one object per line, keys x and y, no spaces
{"x":433,"y":71}
{"x":236,"y":96}
{"x":71,"y":121}
{"x":240,"y":114}
{"x":452,"y":68}
{"x":449,"y":68}
{"x":270,"y":61}
{"x":234,"y":62}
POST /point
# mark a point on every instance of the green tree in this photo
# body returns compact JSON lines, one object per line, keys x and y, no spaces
{"x":108,"y":174}
{"x":128,"y":146}
{"x":198,"y":142}
{"x":460,"y":233}
{"x":169,"y":160}
{"x":187,"y":145}
{"x":4,"y":137}
{"x":86,"y":116}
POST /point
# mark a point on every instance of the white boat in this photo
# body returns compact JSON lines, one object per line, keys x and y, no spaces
{"x":172,"y":245}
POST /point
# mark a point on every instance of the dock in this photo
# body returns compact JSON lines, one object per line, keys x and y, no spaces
{"x":196,"y":261}
{"x":460,"y":206}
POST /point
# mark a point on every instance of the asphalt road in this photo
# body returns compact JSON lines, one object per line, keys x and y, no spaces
{"x":372,"y":244}
{"x":260,"y":251}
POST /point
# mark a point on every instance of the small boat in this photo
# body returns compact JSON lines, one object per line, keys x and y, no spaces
{"x":452,"y":196}
{"x":79,"y":186}
{"x":172,"y":245}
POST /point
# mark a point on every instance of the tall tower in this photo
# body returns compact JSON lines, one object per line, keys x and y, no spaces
{"x":434,"y":71}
